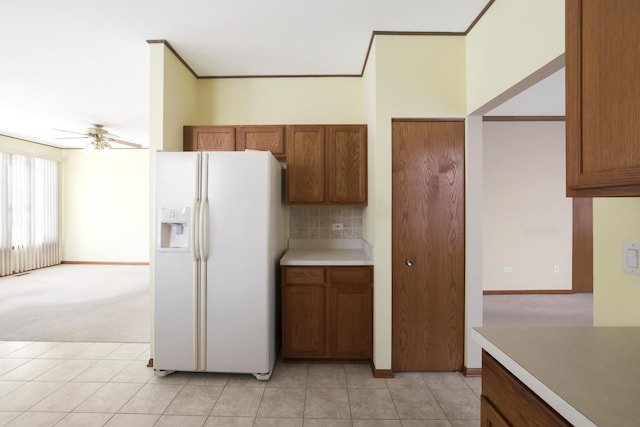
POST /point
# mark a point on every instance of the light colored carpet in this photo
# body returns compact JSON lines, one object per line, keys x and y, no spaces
{"x":88,"y":303}
{"x":538,"y":310}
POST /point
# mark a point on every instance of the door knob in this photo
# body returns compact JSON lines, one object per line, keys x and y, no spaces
{"x":410,"y":262}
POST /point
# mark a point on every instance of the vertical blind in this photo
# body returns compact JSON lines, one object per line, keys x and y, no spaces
{"x":28,"y":213}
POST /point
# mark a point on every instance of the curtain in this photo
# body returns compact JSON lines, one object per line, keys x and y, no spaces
{"x":29,"y":213}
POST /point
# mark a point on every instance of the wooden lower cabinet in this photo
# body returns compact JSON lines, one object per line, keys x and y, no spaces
{"x":506,"y":401}
{"x":327,"y":312}
{"x":490,"y":415}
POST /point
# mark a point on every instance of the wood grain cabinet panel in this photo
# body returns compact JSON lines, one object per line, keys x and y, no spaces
{"x":490,"y":416}
{"x":209,"y":138}
{"x":348,"y":165}
{"x":603,"y":97}
{"x":263,"y":138}
{"x":327,"y":165}
{"x":306,"y":170}
{"x":511,"y":402}
{"x":350,"y":319}
{"x":303,"y":320}
{"x":344,"y":329}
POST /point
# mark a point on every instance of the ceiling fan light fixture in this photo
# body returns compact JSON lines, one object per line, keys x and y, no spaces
{"x":101,"y":138}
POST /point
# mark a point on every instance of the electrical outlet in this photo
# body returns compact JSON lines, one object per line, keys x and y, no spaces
{"x":508,"y":269}
{"x":631,"y":257}
{"x":337,"y":226}
{"x":556,"y":269}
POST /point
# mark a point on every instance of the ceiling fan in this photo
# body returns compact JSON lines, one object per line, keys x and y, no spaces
{"x":101,"y":139}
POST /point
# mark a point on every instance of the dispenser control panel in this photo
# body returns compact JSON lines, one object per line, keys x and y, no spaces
{"x":173,"y":228}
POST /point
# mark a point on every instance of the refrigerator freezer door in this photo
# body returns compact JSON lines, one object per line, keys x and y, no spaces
{"x":175,"y":271}
{"x":240,"y":266}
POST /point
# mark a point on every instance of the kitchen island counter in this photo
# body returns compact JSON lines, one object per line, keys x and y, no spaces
{"x":321,"y":252}
{"x":589,"y":375}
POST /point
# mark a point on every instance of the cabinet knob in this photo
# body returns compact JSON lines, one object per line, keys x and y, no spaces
{"x":410,"y":262}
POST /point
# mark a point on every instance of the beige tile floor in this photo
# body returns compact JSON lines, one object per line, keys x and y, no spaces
{"x":108,"y":384}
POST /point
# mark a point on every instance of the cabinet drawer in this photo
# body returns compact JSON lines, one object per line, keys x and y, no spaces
{"x":348,"y":275}
{"x":304,"y":275}
{"x":515,"y":401}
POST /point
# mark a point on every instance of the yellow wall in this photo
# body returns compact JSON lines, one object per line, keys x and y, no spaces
{"x":416,"y":76}
{"x":371,"y":111}
{"x":615,"y":294}
{"x":516,"y":44}
{"x":406,"y":76}
{"x":512,"y":41}
{"x":105,"y":206}
{"x":172,"y":99}
{"x":323,"y":100}
{"x":103,"y":202}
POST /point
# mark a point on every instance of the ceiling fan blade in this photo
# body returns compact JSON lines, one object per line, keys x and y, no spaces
{"x":68,"y":131}
{"x":119,"y":141}
{"x":73,"y":137}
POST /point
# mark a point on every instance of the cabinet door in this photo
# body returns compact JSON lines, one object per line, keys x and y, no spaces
{"x":348,"y":165}
{"x":263,"y":138}
{"x":489,"y":416}
{"x":303,"y":312}
{"x":603,"y":97}
{"x":209,"y":138}
{"x":351,"y":312}
{"x":306,"y":172}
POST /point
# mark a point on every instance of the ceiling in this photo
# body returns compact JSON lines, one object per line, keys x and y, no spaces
{"x":69,"y":64}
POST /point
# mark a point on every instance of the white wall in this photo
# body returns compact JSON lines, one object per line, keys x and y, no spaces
{"x":527,"y":217}
{"x":105,"y":206}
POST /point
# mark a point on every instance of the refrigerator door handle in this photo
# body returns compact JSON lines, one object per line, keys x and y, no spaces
{"x":204,"y":230}
{"x":195,"y":230}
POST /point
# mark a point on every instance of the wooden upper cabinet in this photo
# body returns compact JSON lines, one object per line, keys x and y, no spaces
{"x":603,"y":97}
{"x":209,"y":138}
{"x":327,"y":165}
{"x":306,"y":170}
{"x":348,"y":165}
{"x":263,"y":138}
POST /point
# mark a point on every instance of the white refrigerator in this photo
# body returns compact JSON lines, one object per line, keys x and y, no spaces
{"x":218,"y":241}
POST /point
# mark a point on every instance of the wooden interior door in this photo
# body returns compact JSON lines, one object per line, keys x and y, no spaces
{"x":428,"y":245}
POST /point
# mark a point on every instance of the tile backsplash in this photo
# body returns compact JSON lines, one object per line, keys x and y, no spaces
{"x":316,"y":222}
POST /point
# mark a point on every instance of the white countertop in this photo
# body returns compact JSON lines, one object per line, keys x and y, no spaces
{"x":589,"y":375}
{"x":327,"y":252}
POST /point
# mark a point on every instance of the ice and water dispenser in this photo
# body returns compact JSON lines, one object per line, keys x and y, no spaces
{"x":174,"y":229}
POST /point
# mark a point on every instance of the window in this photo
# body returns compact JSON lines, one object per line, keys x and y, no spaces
{"x":28,"y":213}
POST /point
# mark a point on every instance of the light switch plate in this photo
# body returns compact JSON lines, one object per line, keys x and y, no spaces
{"x":631,"y":258}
